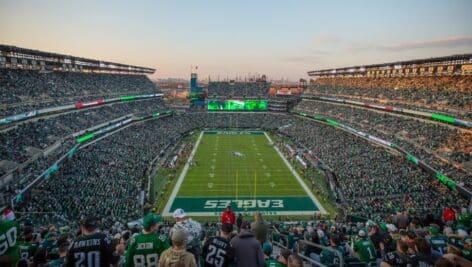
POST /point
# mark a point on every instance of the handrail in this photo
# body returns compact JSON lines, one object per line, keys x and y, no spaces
{"x":308,"y":243}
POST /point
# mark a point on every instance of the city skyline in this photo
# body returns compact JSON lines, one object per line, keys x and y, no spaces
{"x":276,"y":38}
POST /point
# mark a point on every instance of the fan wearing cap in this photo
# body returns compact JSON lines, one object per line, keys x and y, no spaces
{"x":177,"y":255}
{"x":91,"y":248}
{"x":437,"y":241}
{"x":217,"y":250}
{"x":192,"y":229}
{"x":145,"y":248}
{"x":364,"y":248}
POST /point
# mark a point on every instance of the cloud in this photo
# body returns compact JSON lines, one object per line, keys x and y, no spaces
{"x":446,"y":42}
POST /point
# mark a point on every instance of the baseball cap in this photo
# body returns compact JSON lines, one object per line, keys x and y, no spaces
{"x":90,"y":222}
{"x":383,"y":226}
{"x":179,"y":213}
{"x":179,"y":237}
{"x":433,"y":230}
{"x":151,"y":219}
{"x":227,"y":227}
{"x":361,"y":233}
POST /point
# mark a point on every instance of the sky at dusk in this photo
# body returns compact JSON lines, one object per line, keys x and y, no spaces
{"x":234,"y":38}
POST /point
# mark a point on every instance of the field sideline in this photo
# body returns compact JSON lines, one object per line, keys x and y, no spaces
{"x":243,"y":169}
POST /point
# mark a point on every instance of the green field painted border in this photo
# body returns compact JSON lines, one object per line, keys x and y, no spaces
{"x":271,"y":204}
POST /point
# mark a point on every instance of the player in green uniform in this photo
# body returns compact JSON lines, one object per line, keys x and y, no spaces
{"x":365,"y":248}
{"x":328,"y":257}
{"x":437,"y":241}
{"x":145,"y":248}
{"x":9,"y":231}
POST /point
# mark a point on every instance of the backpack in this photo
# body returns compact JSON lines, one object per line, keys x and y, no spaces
{"x":173,"y":259}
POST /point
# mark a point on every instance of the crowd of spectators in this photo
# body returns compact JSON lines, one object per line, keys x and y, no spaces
{"x":238,"y":89}
{"x":372,"y":181}
{"x":24,"y":90}
{"x":45,"y":131}
{"x":108,"y":178}
{"x":115,"y":166}
{"x":447,"y":94}
{"x":94,"y":178}
{"x":422,"y":139}
{"x":442,"y":238}
{"x":25,"y":173}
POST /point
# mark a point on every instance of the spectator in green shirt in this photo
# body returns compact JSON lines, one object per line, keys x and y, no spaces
{"x":328,"y":257}
{"x":364,"y":248}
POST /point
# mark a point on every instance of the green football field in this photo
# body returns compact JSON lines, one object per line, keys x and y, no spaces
{"x":241,"y":169}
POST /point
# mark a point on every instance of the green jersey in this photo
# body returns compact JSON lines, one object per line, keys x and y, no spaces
{"x":272,"y":263}
{"x":27,"y":250}
{"x":366,"y":250}
{"x":9,"y":240}
{"x":330,"y":258}
{"x":144,"y":250}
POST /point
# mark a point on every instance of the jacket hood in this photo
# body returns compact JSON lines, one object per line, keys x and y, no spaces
{"x":246,"y":234}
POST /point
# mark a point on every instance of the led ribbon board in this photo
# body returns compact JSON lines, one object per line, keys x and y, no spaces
{"x":237,"y":105}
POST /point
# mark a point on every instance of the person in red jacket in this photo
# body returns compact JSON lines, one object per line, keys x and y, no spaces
{"x":228,"y":216}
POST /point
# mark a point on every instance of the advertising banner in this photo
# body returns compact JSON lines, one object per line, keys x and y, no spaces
{"x":89,"y":104}
{"x":18,"y":117}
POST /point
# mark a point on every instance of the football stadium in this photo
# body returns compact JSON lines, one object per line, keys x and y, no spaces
{"x":337,"y":152}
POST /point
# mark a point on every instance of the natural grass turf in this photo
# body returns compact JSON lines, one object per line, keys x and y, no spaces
{"x":219,"y":173}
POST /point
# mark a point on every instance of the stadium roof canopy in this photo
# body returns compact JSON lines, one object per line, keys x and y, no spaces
{"x":16,"y":55}
{"x":362,"y":69}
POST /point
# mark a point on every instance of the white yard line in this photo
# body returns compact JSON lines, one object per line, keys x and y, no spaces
{"x":304,"y":186}
{"x":167,"y":211}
